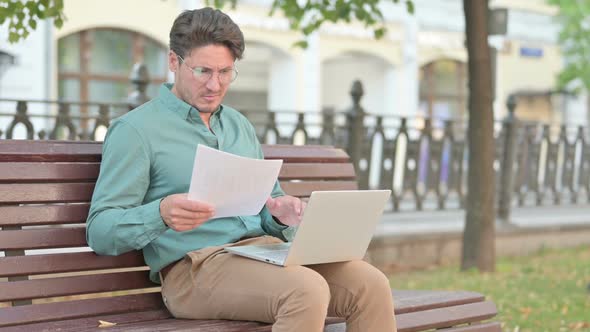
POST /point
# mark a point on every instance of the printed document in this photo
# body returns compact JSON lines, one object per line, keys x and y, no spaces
{"x":234,"y":185}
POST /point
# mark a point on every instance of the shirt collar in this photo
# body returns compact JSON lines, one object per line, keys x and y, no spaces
{"x":179,"y":106}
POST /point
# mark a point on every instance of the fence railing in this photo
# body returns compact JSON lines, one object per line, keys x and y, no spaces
{"x":423,"y":161}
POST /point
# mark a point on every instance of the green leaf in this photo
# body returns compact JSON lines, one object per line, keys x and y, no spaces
{"x":52,"y":11}
{"x":301,"y":44}
{"x":365,"y":11}
{"x":31,"y":6}
{"x":13,"y":37}
{"x":574,"y":38}
{"x":58,"y":22}
{"x":379,"y":33}
{"x":410,"y":7}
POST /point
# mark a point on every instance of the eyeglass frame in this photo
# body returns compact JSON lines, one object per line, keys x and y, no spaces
{"x":197,"y":75}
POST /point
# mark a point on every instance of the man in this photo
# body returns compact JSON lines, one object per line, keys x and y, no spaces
{"x":140,"y":202}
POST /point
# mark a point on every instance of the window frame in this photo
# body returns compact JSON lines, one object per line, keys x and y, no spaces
{"x":431,"y":95}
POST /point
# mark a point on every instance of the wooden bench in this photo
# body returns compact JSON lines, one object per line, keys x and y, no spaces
{"x":51,"y":281}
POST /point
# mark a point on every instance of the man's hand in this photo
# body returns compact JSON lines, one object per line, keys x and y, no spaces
{"x":182,"y":214}
{"x":287,"y":209}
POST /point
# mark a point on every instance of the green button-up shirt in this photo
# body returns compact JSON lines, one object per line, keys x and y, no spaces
{"x":148,"y":154}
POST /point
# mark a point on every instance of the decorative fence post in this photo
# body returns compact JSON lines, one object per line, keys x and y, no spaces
{"x":21,"y":116}
{"x":328,"y":134}
{"x":507,"y":164}
{"x":63,"y":121}
{"x":140,"y":79}
{"x":355,"y":125}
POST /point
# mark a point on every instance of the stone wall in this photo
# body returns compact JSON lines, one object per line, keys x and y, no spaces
{"x":392,"y":253}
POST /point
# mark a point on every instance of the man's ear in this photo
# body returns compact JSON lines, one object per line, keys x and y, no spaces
{"x":173,"y":62}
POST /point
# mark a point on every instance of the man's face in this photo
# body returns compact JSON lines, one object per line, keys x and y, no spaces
{"x":205,"y":91}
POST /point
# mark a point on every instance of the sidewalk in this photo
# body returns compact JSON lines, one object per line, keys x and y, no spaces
{"x":423,"y":239}
{"x":425,"y":222}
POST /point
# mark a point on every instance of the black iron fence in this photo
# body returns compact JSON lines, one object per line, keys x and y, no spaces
{"x":56,"y":119}
{"x":423,"y":161}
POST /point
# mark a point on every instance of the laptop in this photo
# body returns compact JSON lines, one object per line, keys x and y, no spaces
{"x":336,"y":226}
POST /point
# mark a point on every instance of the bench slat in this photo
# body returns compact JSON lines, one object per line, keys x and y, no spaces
{"x":66,"y":262}
{"x":305,"y":188}
{"x":43,"y":214}
{"x":55,"y":311}
{"x":316,"y":171}
{"x":36,"y":150}
{"x":80,"y":324}
{"x":49,"y":151}
{"x":446,"y":316}
{"x":309,"y":153}
{"x":188,"y":325}
{"x":143,"y":319}
{"x":40,"y":172}
{"x":73,"y":285}
{"x":43,"y":238}
{"x":30,"y":172}
{"x":440,"y":318}
{"x":184,"y":325}
{"x":46,"y":192}
{"x":419,"y":300}
{"x":483,"y":327}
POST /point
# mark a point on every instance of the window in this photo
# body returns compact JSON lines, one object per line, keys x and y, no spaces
{"x":94,"y":65}
{"x":443,"y":89}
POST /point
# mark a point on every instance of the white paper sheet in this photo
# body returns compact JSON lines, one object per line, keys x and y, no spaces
{"x":234,"y":185}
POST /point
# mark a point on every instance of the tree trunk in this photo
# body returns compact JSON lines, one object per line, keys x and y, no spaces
{"x":479,"y":234}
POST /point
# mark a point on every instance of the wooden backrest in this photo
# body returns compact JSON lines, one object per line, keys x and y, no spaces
{"x":49,"y":273}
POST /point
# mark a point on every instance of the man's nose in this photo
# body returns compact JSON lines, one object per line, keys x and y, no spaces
{"x":213,"y":83}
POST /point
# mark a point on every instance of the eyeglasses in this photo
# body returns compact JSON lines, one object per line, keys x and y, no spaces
{"x":204,"y":74}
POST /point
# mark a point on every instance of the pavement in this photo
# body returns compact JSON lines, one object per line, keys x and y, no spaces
{"x":453,"y":220}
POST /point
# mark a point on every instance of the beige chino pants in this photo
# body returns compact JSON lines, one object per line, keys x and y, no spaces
{"x":212,"y":284}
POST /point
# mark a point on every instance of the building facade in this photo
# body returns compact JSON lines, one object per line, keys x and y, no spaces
{"x":418,"y":69}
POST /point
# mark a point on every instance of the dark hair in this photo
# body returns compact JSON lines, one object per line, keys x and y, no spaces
{"x":205,"y":26}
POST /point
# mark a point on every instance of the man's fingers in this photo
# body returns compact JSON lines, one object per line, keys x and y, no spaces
{"x":181,"y":214}
{"x":303,"y":205}
{"x":196,"y":206}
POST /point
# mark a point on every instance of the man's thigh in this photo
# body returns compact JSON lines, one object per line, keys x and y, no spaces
{"x":221,"y":285}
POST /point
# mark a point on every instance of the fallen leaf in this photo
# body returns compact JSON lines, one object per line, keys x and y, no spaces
{"x":103,"y":323}
{"x":579,"y":325}
{"x":526,"y":311}
{"x":564,"y":310}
